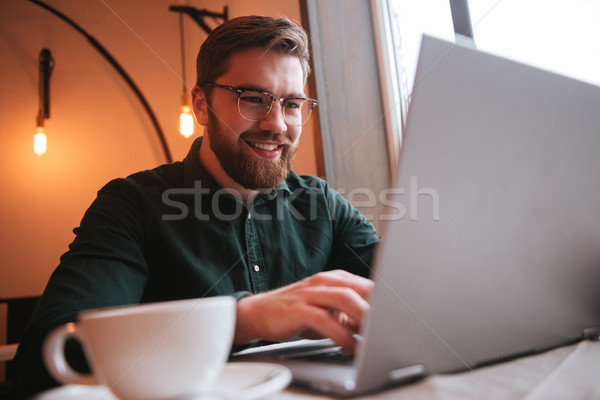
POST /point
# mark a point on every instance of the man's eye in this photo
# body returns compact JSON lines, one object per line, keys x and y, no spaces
{"x":293,"y":104}
{"x":253,"y":99}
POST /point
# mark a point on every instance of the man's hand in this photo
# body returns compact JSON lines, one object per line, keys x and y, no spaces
{"x":328,"y":304}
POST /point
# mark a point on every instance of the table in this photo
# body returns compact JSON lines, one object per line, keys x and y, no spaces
{"x":570,"y":372}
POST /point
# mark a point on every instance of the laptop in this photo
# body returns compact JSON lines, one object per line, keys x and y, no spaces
{"x":491,"y":250}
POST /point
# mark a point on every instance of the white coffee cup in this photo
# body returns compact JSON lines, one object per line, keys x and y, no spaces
{"x":165,"y":350}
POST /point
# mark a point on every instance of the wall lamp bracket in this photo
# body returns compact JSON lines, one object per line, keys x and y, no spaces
{"x":46,"y":66}
{"x":199,"y":15}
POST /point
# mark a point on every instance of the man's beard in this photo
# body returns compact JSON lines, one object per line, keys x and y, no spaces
{"x":250,"y":172}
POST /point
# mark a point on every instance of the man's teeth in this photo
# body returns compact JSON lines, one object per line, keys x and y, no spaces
{"x":265,"y":147}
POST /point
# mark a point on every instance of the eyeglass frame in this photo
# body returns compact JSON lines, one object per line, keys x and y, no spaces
{"x":239,"y":90}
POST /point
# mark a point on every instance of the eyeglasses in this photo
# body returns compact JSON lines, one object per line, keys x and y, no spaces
{"x":255,"y":105}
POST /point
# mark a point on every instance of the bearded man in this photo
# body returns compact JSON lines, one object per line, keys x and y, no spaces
{"x":230,"y":219}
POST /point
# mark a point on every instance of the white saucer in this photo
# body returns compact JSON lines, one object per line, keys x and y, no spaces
{"x":238,"y":381}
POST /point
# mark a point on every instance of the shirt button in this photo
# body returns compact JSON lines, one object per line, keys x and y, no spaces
{"x":249,"y":215}
{"x":256,"y":268}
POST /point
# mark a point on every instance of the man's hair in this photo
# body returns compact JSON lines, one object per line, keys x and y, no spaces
{"x":248,"y":32}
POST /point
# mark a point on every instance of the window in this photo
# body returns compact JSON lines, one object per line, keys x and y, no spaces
{"x":399,"y":25}
{"x":413,"y":18}
{"x":556,"y":35}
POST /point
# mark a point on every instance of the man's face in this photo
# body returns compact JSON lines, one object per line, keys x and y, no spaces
{"x":256,"y":154}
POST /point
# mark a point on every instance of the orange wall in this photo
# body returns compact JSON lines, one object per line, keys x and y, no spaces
{"x":97,"y":129}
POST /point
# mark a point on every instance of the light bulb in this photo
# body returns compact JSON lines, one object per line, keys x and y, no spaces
{"x":39,"y":141}
{"x":186,"y":121}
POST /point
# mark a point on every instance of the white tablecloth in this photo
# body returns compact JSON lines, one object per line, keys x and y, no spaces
{"x":570,"y":372}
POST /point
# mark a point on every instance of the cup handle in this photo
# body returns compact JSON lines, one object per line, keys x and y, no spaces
{"x":54,"y":356}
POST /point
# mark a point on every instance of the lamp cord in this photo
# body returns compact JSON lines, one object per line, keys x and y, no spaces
{"x":182,"y":41}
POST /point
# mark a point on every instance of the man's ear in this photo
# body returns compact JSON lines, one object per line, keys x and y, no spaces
{"x":199,"y":105}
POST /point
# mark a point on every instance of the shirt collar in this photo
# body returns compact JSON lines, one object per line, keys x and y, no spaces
{"x":194,"y":171}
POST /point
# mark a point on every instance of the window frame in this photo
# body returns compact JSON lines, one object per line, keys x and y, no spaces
{"x":345,"y":64}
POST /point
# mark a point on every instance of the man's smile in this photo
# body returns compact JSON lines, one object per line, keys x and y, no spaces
{"x":264,"y":146}
{"x":268,"y":150}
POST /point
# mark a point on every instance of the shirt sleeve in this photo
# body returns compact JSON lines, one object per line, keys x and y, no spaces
{"x":104,"y":266}
{"x":355,"y":238}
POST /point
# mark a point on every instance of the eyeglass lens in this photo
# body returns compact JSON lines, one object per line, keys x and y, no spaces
{"x":256,"y":105}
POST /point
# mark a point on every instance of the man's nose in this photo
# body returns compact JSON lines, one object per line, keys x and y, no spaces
{"x":274,"y":120}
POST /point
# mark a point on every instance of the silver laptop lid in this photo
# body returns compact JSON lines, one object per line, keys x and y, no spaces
{"x":497,"y":252}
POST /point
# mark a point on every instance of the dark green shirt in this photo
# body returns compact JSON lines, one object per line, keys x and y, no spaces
{"x":173,"y":233}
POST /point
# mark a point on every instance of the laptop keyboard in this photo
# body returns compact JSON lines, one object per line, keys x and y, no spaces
{"x":333,"y":355}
